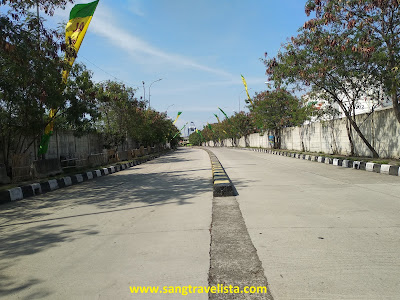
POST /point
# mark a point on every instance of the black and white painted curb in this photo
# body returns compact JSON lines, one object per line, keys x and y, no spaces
{"x":222,"y":185}
{"x":34,"y":189}
{"x":345,"y":163}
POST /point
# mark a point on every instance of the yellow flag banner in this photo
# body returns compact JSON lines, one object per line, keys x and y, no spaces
{"x":245,"y":86}
{"x":77,"y":26}
{"x":79,"y":20}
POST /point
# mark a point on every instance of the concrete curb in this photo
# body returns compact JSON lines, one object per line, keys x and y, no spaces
{"x":34,"y":189}
{"x":344,"y":163}
{"x":222,"y":185}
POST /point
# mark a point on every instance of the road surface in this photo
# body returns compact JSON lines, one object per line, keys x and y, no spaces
{"x":321,"y":231}
{"x":313,"y":231}
{"x":146,"y":226}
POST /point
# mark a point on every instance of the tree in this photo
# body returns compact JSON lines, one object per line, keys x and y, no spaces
{"x":195,"y":139}
{"x":120,"y":112}
{"x":22,"y":7}
{"x":30,"y":83}
{"x":277,"y":109}
{"x":335,"y":72}
{"x":370,"y":28}
{"x":80,"y":111}
{"x":242,"y":125}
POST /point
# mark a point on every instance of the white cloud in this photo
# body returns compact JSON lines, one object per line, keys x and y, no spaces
{"x":140,"y":48}
{"x":136,"y":8}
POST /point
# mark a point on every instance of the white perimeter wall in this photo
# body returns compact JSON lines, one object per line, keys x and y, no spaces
{"x":380,"y":128}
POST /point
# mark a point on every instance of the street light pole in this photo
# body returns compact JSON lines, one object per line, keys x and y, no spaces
{"x":150,"y":87}
{"x":169,"y":107}
{"x":144,"y":92}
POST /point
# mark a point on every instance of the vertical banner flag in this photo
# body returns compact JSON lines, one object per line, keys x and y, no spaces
{"x":179,"y":131}
{"x":48,"y":131}
{"x":177,"y":117}
{"x":245,"y":86}
{"x":200,"y":135}
{"x":78,"y":24}
{"x":217,"y":118}
{"x":229,"y":120}
{"x":79,"y":20}
{"x":223,"y":112}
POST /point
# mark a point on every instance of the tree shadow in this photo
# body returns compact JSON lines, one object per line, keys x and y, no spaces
{"x":136,"y":188}
{"x":16,"y":244}
{"x":139,"y":185}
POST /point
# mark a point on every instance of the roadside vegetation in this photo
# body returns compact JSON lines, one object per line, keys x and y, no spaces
{"x":31,"y":66}
{"x":345,"y":52}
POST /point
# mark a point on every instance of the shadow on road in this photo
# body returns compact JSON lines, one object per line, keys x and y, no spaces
{"x":31,"y":226}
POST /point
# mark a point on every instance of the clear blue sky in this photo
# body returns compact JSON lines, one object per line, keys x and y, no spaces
{"x":199,"y":48}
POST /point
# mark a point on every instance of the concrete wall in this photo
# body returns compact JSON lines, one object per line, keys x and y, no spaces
{"x":67,"y":145}
{"x":380,"y":128}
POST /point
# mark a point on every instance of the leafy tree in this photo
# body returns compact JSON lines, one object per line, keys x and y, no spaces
{"x":242,"y":125}
{"x":195,"y":139}
{"x":335,"y":73}
{"x":275,"y":110}
{"x":30,"y":83}
{"x":22,"y":7}
{"x":370,"y":28}
{"x":80,"y":111}
{"x":119,"y":109}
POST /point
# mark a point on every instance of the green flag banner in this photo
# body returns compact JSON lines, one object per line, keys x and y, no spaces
{"x":223,"y":112}
{"x":177,"y":117}
{"x":180,"y":130}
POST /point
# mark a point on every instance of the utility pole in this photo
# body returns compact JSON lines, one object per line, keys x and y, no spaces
{"x":144,"y":92}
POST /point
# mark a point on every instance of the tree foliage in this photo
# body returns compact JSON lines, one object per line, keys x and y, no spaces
{"x":369,"y":28}
{"x":277,"y":109}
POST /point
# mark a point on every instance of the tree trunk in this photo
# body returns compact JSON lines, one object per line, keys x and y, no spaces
{"x":348,"y":127}
{"x":396,"y":105}
{"x":277,"y":144}
{"x":357,"y":129}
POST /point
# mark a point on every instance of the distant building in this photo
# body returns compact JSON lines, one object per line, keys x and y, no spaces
{"x":364,"y":105}
{"x":191,"y":128}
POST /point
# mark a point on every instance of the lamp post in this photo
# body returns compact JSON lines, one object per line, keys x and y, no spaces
{"x":169,"y":107}
{"x":144,"y":92}
{"x":150,"y":87}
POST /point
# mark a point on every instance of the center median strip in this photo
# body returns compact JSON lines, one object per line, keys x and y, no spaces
{"x":222,"y":186}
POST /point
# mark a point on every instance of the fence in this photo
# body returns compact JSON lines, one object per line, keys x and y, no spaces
{"x":21,"y":167}
{"x":24,"y":168}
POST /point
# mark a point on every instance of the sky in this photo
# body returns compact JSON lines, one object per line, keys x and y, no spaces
{"x":198,"y":48}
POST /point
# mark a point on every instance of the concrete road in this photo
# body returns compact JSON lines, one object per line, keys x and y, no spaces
{"x":148,"y":225}
{"x":321,"y":232}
